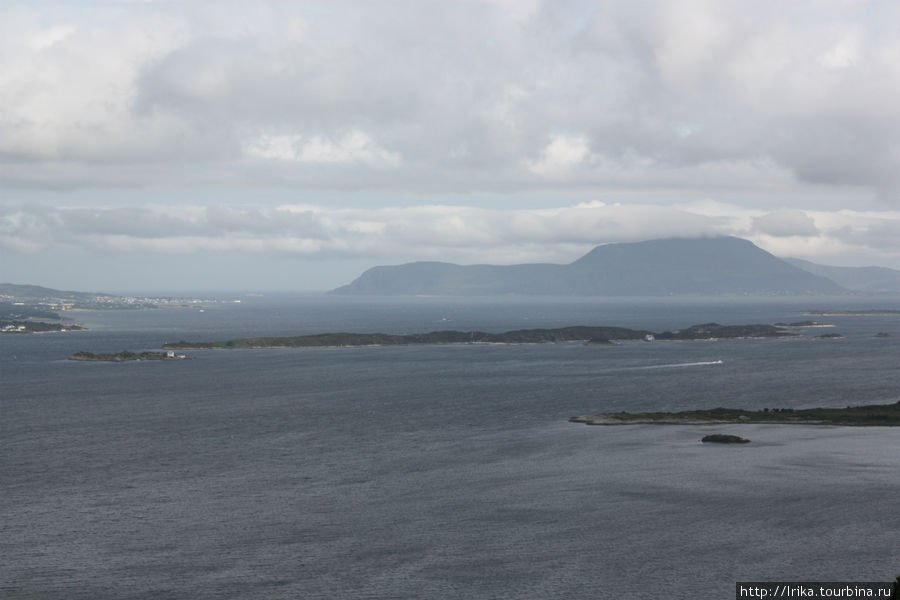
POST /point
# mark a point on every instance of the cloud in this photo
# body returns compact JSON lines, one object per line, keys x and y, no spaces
{"x":561,"y":155}
{"x":354,"y":147}
{"x":464,"y":234}
{"x":319,"y":246}
{"x":786,"y":223}
{"x":452,"y":97}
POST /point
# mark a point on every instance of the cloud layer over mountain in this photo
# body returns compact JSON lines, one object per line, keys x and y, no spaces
{"x":441,"y":232}
{"x":484,"y":130}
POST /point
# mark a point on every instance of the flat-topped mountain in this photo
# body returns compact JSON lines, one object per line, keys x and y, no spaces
{"x":704,"y":266}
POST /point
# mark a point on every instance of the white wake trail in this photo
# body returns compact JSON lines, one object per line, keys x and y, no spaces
{"x":704,"y":363}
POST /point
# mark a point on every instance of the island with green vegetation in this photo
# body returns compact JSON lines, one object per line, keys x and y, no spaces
{"x":125,"y":356}
{"x":580,"y":333}
{"x":868,"y":415}
{"x":713,"y":331}
{"x":19,"y":317}
{"x":27,"y":326}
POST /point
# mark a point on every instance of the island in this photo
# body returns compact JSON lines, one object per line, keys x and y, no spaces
{"x":872,"y":312}
{"x":867,"y":415}
{"x":803,"y":324}
{"x":724,"y":438}
{"x":125,"y":356}
{"x":11,"y":326}
{"x":580,"y":333}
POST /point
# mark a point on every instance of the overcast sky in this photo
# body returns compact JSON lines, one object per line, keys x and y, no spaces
{"x":290,"y":145}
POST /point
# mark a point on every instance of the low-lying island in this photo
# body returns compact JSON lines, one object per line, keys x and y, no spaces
{"x":125,"y":356}
{"x":869,"y":415}
{"x":595,"y":335}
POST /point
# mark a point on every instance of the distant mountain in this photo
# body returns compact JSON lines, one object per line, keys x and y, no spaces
{"x":36,"y":293}
{"x":861,"y":279}
{"x":705,"y":266}
{"x":13,"y":296}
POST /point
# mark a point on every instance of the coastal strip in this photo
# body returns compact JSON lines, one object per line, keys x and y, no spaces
{"x":125,"y":356}
{"x":579,"y":333}
{"x":9,"y":326}
{"x":868,"y":415}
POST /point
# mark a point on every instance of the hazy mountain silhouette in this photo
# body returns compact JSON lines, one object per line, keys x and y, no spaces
{"x":861,"y":279}
{"x":705,"y":266}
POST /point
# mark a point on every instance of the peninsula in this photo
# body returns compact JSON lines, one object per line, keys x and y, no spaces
{"x":580,"y":333}
{"x":868,"y":415}
{"x":125,"y":356}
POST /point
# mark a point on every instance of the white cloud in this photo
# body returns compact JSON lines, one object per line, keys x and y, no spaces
{"x":561,"y":155}
{"x":45,"y":38}
{"x":786,"y":223}
{"x":354,"y":147}
{"x":452,"y":97}
{"x":845,"y":53}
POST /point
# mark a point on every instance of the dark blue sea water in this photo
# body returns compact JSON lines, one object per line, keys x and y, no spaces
{"x":441,"y":471}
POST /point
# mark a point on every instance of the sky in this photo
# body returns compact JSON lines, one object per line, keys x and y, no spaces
{"x":280,"y":145}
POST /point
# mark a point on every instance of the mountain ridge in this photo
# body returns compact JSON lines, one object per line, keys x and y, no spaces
{"x":876,"y":280}
{"x":669,"y":266}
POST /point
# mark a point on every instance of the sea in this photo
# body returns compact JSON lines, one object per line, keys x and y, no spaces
{"x":448,"y":471}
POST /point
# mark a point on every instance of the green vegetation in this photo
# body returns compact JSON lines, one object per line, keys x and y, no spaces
{"x":714,"y":330}
{"x":34,"y":327}
{"x":594,"y":335}
{"x":124,"y":356}
{"x":521,"y":336}
{"x":8,"y":310}
{"x":875,"y":414}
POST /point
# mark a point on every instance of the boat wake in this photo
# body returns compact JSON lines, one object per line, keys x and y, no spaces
{"x":704,"y":363}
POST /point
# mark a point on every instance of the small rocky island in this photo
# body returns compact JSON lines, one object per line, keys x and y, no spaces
{"x":125,"y":356}
{"x":724,"y":438}
{"x":593,"y":335}
{"x":868,"y":415}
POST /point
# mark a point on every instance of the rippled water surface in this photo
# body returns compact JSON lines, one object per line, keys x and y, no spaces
{"x":440,"y":471}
